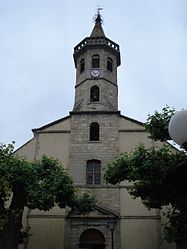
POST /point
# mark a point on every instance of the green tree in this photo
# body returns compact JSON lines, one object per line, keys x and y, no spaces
{"x":38,"y":184}
{"x":159,"y":176}
{"x":157,"y":124}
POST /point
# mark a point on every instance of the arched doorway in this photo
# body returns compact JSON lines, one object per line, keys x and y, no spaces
{"x":92,"y":239}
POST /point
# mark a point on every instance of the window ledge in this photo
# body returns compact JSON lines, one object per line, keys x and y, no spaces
{"x":94,"y":141}
{"x":98,"y":186}
{"x":94,"y":102}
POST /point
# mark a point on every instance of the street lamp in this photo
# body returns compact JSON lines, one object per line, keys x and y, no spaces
{"x":112,"y":226}
{"x":178,"y":128}
{"x":178,"y":132}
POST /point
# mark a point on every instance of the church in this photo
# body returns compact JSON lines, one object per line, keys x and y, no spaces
{"x":93,"y":134}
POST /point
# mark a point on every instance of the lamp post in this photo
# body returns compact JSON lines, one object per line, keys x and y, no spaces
{"x":112,"y":226}
{"x":178,"y":128}
{"x":178,"y":132}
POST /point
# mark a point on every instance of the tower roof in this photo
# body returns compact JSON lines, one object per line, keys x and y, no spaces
{"x":97,"y":29}
{"x":97,"y":39}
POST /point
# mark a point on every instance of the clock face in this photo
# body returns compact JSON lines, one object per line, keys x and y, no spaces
{"x":95,"y":73}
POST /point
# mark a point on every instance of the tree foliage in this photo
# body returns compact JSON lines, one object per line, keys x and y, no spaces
{"x":159,"y":176}
{"x":40,"y":184}
{"x":157,"y":124}
{"x":153,"y":172}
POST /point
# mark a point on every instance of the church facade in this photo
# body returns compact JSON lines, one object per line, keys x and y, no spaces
{"x":93,"y":134}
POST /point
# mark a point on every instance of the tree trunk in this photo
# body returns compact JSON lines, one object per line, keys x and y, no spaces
{"x":11,"y":233}
{"x":10,"y":236}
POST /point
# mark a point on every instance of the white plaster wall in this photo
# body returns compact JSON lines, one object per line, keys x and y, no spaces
{"x":27,"y":150}
{"x":139,"y":234}
{"x":46,"y":233}
{"x":55,"y":145}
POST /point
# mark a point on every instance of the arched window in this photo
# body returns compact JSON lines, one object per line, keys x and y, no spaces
{"x":94,"y":131}
{"x":94,"y":93}
{"x":95,"y":61}
{"x":109,"y":64}
{"x":82,"y":65}
{"x":93,"y":172}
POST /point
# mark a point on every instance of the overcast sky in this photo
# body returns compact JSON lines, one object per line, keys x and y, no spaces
{"x":37,"y":74}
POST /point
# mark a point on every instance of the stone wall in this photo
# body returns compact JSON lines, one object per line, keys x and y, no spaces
{"x":81,"y":149}
{"x":107,"y":82}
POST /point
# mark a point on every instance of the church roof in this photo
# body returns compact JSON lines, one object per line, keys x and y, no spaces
{"x":77,"y":113}
{"x":132,"y":120}
{"x":97,"y":39}
{"x":50,"y":124}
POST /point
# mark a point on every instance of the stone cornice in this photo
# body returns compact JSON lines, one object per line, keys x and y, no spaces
{"x":93,"y":112}
{"x":114,"y":84}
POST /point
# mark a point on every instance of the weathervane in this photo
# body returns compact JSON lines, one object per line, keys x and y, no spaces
{"x":98,"y":9}
{"x":98,"y":17}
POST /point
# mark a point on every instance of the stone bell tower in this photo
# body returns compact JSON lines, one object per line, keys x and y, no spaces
{"x":94,"y":140}
{"x":96,"y":61}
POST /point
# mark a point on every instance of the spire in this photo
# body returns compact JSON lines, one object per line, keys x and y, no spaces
{"x":98,"y":30}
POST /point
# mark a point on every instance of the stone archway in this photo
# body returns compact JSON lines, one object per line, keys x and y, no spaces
{"x":92,"y":239}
